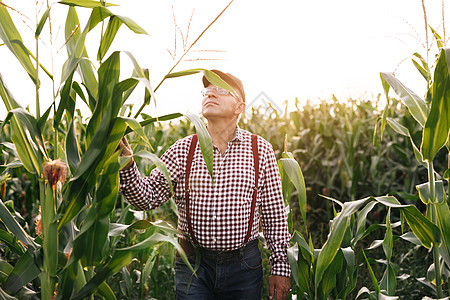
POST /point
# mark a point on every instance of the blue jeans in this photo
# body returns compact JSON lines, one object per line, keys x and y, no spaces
{"x":222,"y":275}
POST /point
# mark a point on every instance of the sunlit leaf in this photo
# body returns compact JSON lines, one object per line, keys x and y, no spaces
{"x":435,"y":132}
{"x":12,"y":39}
{"x":204,"y":139}
{"x":415,"y":104}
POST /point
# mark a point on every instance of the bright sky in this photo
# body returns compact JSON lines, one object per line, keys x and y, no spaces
{"x":285,"y":48}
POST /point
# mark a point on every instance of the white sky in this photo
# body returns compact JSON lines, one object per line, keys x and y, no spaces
{"x":285,"y":48}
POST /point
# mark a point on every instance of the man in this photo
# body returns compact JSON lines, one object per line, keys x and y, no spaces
{"x":220,"y":215}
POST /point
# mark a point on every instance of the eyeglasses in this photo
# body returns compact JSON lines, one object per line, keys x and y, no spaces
{"x":218,"y":91}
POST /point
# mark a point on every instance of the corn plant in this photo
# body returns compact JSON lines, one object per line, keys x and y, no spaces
{"x":432,"y":115}
{"x":76,"y":249}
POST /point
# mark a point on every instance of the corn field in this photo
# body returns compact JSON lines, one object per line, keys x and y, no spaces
{"x":367,"y":203}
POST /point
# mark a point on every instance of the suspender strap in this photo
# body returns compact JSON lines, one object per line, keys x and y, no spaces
{"x":187,"y":191}
{"x":255,"y":189}
{"x":186,"y":185}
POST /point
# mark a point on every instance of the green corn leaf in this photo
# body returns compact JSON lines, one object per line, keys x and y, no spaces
{"x":12,"y":242}
{"x":42,"y":22}
{"x":443,"y":222}
{"x":211,"y":76}
{"x":427,"y":232}
{"x":388,"y":282}
{"x":388,"y":241}
{"x":157,"y":119}
{"x":108,"y":77}
{"x":158,"y":163}
{"x":333,"y":243}
{"x":75,"y":40}
{"x":25,"y":270}
{"x":27,"y":143}
{"x":90,"y":242}
{"x":424,"y":192}
{"x":361,"y":222}
{"x":105,"y":290}
{"x":328,"y":281}
{"x":413,"y":102}
{"x":372,"y":275}
{"x":85,"y":3}
{"x":439,"y":40}
{"x":140,"y":75}
{"x":386,"y":88}
{"x":298,"y":238}
{"x":122,"y":257}
{"x":104,"y":144}
{"x":437,"y":126}
{"x":404,"y":131}
{"x":295,"y":174}
{"x":12,"y":39}
{"x":5,"y":270}
{"x":15,"y":228}
{"x":204,"y":139}
{"x":108,"y":37}
{"x":423,"y":67}
{"x":72,"y":148}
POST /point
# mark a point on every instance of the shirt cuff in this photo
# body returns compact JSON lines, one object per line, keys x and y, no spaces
{"x":281,"y":269}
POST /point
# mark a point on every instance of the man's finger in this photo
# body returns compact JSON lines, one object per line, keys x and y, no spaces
{"x":271,"y":288}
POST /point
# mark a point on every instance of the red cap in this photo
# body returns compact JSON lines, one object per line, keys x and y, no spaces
{"x":232,"y":81}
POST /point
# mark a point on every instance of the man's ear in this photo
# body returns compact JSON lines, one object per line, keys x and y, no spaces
{"x":240,"y":108}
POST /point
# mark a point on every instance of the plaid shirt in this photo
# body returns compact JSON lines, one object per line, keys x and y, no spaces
{"x":220,"y":209}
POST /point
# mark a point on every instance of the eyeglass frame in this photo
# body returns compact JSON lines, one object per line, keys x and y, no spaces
{"x":219,"y":91}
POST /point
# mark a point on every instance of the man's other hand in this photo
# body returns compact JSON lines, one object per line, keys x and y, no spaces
{"x":281,"y":284}
{"x":125,"y":150}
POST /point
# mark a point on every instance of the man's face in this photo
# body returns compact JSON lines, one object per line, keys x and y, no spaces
{"x":219,"y":103}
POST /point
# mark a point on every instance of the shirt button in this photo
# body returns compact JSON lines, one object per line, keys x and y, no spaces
{"x":214,"y":217}
{"x":214,"y":240}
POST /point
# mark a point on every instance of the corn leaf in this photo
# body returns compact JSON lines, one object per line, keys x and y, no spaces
{"x":388,"y":282}
{"x":108,"y":77}
{"x":435,"y":132}
{"x":424,"y":192}
{"x":204,"y":139}
{"x":91,"y":165}
{"x":12,"y":39}
{"x":443,"y":222}
{"x":211,"y":76}
{"x":89,"y":244}
{"x":413,"y":102}
{"x":293,"y":170}
{"x":404,"y":131}
{"x":333,"y":243}
{"x":158,"y":163}
{"x":427,"y":232}
{"x":122,"y":257}
{"x":328,"y":282}
{"x":74,"y":38}
{"x":27,"y":148}
{"x":157,"y":119}
{"x":108,"y":37}
{"x":11,"y":241}
{"x":386,"y":88}
{"x":85,"y":3}
{"x":25,"y":270}
{"x":15,"y":228}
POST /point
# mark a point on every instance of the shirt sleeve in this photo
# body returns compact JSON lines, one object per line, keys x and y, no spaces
{"x":147,"y":193}
{"x":274,"y":218}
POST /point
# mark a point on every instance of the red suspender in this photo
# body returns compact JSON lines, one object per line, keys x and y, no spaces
{"x":255,"y":189}
{"x":186,"y":186}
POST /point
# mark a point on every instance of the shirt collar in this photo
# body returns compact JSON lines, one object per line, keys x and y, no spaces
{"x":238,"y":135}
